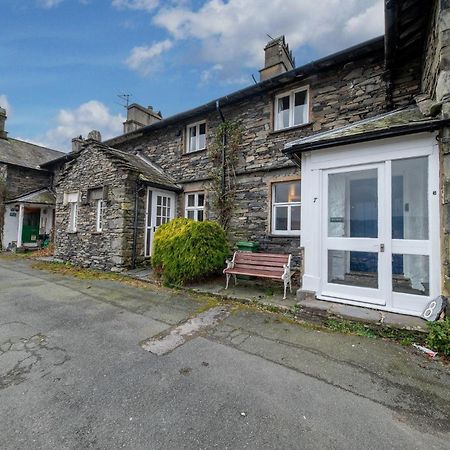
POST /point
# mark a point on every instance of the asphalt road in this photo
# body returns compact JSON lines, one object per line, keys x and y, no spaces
{"x":73,"y":376}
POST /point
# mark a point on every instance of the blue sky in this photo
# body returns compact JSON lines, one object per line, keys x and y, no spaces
{"x":63,"y":62}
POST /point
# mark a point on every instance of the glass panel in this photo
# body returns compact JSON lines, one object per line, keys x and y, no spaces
{"x":353,"y":204}
{"x":353,"y":268}
{"x":168,"y":202}
{"x":287,"y":192}
{"x":191,"y":215}
{"x":149,"y":231}
{"x":200,"y":215}
{"x":295,"y":218}
{"x":191,"y":200}
{"x":411,"y":274}
{"x":158,"y":221}
{"x":158,"y":210}
{"x":283,"y":112}
{"x":192,"y":139}
{"x":201,"y":199}
{"x":300,"y":109}
{"x":202,"y":128}
{"x":201,"y":141}
{"x":281,"y":214}
{"x":410,"y":198}
{"x":158,"y":200}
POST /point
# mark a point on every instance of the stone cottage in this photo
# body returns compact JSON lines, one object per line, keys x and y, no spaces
{"x":342,"y":163}
{"x":27,"y":202}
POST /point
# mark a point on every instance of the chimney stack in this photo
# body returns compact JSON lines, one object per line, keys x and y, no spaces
{"x":3,"y":133}
{"x":77,"y":143}
{"x":95,"y":135}
{"x":138,"y":117}
{"x":278,"y":59}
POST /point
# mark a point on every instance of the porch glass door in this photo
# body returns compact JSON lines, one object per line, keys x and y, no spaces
{"x":353,"y":262}
{"x":160,"y":210}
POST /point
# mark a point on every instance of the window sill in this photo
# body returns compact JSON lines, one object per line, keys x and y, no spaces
{"x":276,"y":235}
{"x":295,"y":127}
{"x":196,"y":152}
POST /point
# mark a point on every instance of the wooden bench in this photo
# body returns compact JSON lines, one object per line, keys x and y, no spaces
{"x":261,"y":265}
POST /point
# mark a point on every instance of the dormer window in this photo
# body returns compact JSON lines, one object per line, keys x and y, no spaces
{"x":291,"y":109}
{"x":196,"y":137}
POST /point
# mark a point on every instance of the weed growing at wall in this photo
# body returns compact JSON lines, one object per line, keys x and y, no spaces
{"x":185,"y":250}
{"x":439,"y":336}
{"x":224,"y":153}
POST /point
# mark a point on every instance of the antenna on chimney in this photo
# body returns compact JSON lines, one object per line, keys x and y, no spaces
{"x":269,"y":36}
{"x":125,"y":98}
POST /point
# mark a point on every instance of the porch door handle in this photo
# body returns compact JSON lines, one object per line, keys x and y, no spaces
{"x":381,"y":248}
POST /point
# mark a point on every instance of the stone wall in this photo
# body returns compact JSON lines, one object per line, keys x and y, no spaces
{"x":3,"y":175}
{"x":339,"y":96}
{"x":21,"y":180}
{"x":110,"y":248}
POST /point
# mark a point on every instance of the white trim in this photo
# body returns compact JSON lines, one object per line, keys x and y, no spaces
{"x":195,"y":209}
{"x":289,"y":206}
{"x":354,"y":157}
{"x":291,"y":95}
{"x":195,"y":125}
{"x":150,"y":216}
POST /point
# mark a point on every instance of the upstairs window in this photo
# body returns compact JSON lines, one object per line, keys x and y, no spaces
{"x":286,"y":207}
{"x":291,"y":109}
{"x":196,"y":137}
{"x":195,"y":206}
{"x":95,"y":197}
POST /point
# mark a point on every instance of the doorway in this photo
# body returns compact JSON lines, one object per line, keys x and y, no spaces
{"x":30,"y":226}
{"x":160,"y":209}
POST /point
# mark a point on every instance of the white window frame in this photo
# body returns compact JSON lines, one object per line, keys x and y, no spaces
{"x":195,"y":208}
{"x":291,"y":95}
{"x":100,"y":207}
{"x":195,"y":125}
{"x":289,"y":206}
{"x":73,"y":216}
{"x":72,"y":199}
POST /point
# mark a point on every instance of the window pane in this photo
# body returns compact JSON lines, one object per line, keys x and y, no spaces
{"x":281,"y":214}
{"x":411,"y":274}
{"x":287,"y":192}
{"x":200,"y":215}
{"x":353,"y":268}
{"x":191,"y":215}
{"x":201,"y":141}
{"x":201,"y":199}
{"x":295,"y":218}
{"x":191,"y":200}
{"x":353,"y":204}
{"x":192,"y":139}
{"x":202,"y":128}
{"x":300,"y":108}
{"x":410,"y":198}
{"x":283,"y":112}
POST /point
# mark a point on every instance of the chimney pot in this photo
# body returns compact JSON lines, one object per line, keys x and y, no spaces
{"x":95,"y":135}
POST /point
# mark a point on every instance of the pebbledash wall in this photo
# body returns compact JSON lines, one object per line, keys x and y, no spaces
{"x":337,"y":96}
{"x":112,"y":247}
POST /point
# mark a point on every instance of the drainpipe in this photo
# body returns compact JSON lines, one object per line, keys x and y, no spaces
{"x":137,"y":189}
{"x":390,"y":47}
{"x":224,"y":143}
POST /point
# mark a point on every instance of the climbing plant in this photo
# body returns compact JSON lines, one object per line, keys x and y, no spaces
{"x":224,"y":154}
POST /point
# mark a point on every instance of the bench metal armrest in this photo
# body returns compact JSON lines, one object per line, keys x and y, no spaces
{"x":287,"y":270}
{"x":230,"y":264}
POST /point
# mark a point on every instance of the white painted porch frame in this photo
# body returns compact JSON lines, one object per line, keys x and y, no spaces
{"x":349,"y":156}
{"x":150,"y":216}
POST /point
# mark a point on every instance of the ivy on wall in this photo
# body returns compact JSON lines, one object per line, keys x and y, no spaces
{"x":224,"y":154}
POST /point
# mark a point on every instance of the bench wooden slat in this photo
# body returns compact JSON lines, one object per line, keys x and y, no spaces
{"x":241,"y":266}
{"x":255,"y":262}
{"x":255,"y":273}
{"x":263,"y":256}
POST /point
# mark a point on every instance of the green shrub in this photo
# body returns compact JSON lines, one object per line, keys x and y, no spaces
{"x":439,"y":336}
{"x":185,"y":250}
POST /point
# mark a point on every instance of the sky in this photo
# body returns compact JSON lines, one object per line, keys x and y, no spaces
{"x":63,"y":63}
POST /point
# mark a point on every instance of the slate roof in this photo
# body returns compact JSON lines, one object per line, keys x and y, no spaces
{"x":42,"y":196}
{"x":395,"y":123}
{"x":148,"y":172}
{"x":25,"y":154}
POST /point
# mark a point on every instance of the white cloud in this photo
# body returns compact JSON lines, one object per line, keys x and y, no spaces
{"x":49,"y":3}
{"x":4,"y":103}
{"x":232,"y":33}
{"x":92,"y":115}
{"x":146,"y":59}
{"x":143,"y":5}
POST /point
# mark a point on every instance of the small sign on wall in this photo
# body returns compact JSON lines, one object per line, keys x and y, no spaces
{"x":13,"y":214}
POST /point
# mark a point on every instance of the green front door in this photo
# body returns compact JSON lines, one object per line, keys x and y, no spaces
{"x":30,"y":228}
